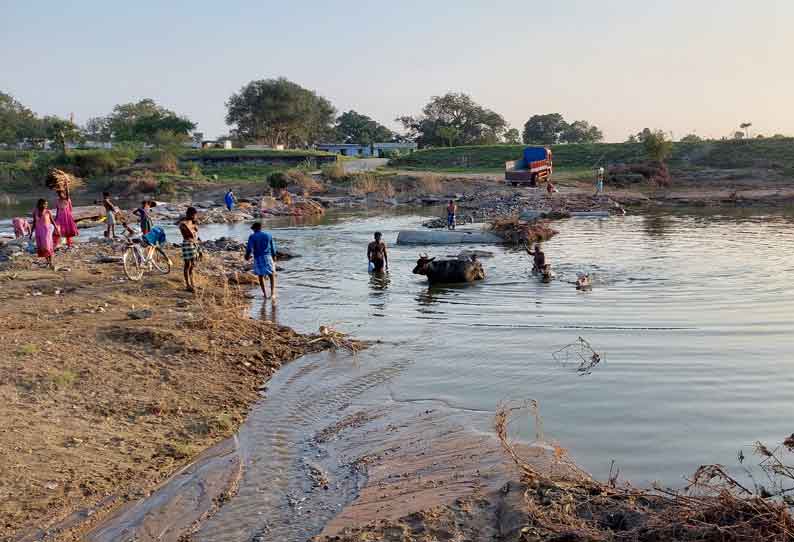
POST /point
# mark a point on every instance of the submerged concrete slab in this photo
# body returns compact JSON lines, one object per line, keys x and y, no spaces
{"x":434,"y":237}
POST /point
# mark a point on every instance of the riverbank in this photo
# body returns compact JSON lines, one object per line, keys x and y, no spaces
{"x":109,"y":386}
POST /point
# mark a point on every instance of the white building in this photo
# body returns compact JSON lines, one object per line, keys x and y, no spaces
{"x":376,"y":149}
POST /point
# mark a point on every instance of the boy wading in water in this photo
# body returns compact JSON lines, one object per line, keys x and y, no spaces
{"x":190,"y":250}
{"x":377,"y":254}
{"x":263,"y":249}
{"x":539,"y":257}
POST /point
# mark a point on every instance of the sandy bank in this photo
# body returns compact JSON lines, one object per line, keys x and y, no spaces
{"x":99,"y":406}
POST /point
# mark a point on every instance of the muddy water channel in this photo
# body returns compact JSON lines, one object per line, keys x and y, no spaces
{"x":692,"y":315}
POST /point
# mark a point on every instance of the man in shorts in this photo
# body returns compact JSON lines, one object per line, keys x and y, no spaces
{"x":377,"y":254}
{"x":188,"y":227}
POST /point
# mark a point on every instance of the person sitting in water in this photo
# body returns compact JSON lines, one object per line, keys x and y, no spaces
{"x":539,"y":259}
{"x":377,"y":254}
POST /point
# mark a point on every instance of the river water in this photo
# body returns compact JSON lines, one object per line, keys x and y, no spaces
{"x":692,"y":315}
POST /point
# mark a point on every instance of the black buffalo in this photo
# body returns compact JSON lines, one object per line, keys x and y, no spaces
{"x":449,"y":271}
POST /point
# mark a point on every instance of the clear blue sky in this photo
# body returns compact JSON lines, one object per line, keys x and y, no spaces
{"x":678,"y":65}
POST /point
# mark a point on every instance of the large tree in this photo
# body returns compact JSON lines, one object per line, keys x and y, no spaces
{"x":279,"y":112}
{"x":580,"y":131}
{"x":544,"y":129}
{"x":454,"y":119}
{"x":17,"y":122}
{"x":145,"y":121}
{"x":353,"y":127}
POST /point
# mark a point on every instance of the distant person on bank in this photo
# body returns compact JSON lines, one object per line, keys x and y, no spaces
{"x":262,"y":248}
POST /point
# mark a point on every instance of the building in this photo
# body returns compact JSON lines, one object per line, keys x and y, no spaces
{"x":365,"y":151}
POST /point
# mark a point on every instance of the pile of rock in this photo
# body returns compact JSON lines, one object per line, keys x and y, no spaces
{"x":13,"y":248}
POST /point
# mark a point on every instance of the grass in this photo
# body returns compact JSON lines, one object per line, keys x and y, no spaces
{"x":27,"y":350}
{"x":231,"y":153}
{"x":64,"y":379}
{"x":773,"y":153}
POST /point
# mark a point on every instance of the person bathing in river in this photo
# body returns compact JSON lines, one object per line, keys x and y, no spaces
{"x":188,"y":227}
{"x":539,"y":258}
{"x":452,"y":211}
{"x":64,"y":219}
{"x":145,"y":217}
{"x":263,"y":249}
{"x":377,"y":254}
{"x":46,"y":231}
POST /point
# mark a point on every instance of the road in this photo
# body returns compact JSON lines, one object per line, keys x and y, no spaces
{"x":364,"y":164}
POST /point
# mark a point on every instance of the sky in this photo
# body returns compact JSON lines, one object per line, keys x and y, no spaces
{"x":692,"y":66}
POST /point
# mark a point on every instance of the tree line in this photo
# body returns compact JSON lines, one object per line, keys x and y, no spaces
{"x":278,"y":111}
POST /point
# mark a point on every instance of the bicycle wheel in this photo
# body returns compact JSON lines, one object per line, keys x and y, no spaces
{"x":132,"y":265}
{"x":161,"y":261}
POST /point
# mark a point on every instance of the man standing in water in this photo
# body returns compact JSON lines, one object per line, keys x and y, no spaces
{"x":188,"y":227}
{"x":263,"y":249}
{"x":377,"y":254}
{"x":452,"y":211}
{"x":229,"y":199}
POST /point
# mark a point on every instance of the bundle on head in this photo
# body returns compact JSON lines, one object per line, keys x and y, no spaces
{"x":60,"y":180}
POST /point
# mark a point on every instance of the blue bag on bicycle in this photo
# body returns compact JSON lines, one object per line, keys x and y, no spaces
{"x":156,"y":236}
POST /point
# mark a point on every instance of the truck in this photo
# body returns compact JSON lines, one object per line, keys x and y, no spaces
{"x":532,"y":168}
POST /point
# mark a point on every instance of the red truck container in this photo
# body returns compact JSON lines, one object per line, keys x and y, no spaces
{"x":533,"y":168}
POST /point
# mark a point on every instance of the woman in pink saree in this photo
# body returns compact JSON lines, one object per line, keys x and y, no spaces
{"x":46,"y":231}
{"x":64,"y":218}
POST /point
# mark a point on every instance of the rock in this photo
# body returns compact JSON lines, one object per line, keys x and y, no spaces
{"x":108,"y":259}
{"x":140,"y":314}
{"x":285,"y":254}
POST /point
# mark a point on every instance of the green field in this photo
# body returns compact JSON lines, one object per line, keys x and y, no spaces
{"x":771,"y":153}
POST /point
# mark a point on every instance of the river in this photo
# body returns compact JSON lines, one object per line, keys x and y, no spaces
{"x":691,"y":314}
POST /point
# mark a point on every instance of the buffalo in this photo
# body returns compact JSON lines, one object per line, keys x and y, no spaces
{"x":449,"y":271}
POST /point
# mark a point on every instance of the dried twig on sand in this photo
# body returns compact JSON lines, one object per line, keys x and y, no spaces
{"x":570,"y":505}
{"x":336,"y":339}
{"x":582,"y":353}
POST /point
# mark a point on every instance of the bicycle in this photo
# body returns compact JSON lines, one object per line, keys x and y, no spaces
{"x":136,"y":261}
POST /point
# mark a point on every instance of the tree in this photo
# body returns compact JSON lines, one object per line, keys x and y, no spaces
{"x":97,"y":129}
{"x":746,"y":127}
{"x":632,"y":139}
{"x":197,"y":138}
{"x":580,"y":131}
{"x":513,"y":136}
{"x":278,"y":111}
{"x":738,"y":135}
{"x":449,"y":134}
{"x":691,"y":138}
{"x":17,"y":122}
{"x":454,"y":119}
{"x":141,"y":121}
{"x":61,"y":132}
{"x":544,"y":129}
{"x":656,"y":144}
{"x":353,"y":127}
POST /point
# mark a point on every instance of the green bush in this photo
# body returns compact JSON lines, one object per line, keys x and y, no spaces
{"x":166,"y":187}
{"x":278,"y":180}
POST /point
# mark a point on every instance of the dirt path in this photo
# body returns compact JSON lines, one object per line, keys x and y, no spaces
{"x":109,"y":386}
